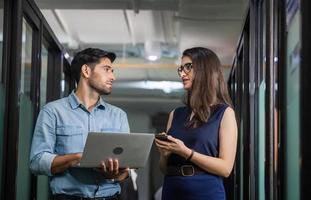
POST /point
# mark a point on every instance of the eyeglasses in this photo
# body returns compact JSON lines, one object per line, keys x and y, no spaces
{"x":186,"y":68}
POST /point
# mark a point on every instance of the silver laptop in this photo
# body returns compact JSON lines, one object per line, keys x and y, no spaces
{"x":132,"y":150}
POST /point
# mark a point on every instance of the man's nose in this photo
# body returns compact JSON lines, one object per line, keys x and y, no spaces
{"x":113,"y":77}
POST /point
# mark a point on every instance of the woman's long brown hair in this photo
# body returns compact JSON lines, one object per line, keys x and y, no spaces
{"x":208,"y":86}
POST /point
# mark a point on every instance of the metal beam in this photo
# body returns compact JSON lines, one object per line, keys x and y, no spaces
{"x":129,"y":28}
{"x":108,"y":4}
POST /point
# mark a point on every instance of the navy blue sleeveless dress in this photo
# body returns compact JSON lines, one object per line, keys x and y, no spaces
{"x":204,"y":140}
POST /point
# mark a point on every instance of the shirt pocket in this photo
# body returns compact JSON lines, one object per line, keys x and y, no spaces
{"x":69,"y":139}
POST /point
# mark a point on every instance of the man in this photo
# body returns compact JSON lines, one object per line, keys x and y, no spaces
{"x":62,"y":127}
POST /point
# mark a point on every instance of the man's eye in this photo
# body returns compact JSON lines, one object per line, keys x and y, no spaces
{"x":108,"y":69}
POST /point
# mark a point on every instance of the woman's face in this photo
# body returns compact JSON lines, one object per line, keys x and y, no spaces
{"x":185,"y":72}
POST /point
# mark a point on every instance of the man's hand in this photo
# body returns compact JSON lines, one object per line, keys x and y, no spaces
{"x":112,"y":170}
{"x":76,"y":159}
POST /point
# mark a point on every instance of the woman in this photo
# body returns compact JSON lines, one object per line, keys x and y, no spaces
{"x":202,"y":136}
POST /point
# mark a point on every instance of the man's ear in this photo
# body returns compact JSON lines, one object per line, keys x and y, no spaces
{"x":85,"y":71}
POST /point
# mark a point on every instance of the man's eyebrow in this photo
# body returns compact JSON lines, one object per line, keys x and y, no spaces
{"x":107,"y":66}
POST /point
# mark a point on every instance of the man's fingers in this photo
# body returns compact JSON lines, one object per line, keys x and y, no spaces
{"x":103,"y":166}
{"x":110,"y":165}
{"x":116,"y":166}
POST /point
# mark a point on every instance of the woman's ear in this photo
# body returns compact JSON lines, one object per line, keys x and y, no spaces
{"x":85,"y":71}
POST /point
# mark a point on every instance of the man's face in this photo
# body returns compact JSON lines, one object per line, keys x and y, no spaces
{"x":102,"y":76}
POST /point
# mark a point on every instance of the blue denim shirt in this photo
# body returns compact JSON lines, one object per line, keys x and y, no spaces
{"x":62,"y":128}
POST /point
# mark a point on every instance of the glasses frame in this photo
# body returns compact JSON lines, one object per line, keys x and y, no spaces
{"x":184,"y":68}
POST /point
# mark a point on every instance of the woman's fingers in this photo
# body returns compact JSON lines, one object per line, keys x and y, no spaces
{"x":172,"y":139}
{"x":173,"y":145}
{"x":161,"y":142}
{"x":165,"y":147}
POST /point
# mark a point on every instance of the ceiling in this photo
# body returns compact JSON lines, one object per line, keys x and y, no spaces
{"x":138,"y":29}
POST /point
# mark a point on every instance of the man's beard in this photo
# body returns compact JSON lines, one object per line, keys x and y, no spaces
{"x":98,"y":89}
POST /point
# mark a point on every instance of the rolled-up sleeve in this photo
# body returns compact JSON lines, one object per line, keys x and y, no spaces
{"x":43,"y":142}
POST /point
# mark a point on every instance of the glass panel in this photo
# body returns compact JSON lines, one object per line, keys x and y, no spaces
{"x":260,"y":116}
{"x":26,"y":58}
{"x":239,"y":112}
{"x":63,"y":83}
{"x":2,"y":94}
{"x":1,"y":37}
{"x":2,"y":104}
{"x":26,"y":107}
{"x":24,"y":141}
{"x":263,"y":39}
{"x":241,"y":164}
{"x":43,"y":181}
{"x":68,"y":80}
{"x":43,"y":79}
{"x":261,"y":142}
{"x":292,"y":172}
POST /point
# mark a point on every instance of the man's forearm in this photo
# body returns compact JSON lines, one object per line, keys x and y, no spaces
{"x":62,"y":163}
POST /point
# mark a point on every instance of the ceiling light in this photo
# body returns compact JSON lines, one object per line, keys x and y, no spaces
{"x":165,"y":86}
{"x":153,"y":50}
{"x":66,"y":55}
{"x":152,"y":58}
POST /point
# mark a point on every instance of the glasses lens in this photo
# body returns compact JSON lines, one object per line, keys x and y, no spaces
{"x":187,"y":67}
{"x":179,"y":70}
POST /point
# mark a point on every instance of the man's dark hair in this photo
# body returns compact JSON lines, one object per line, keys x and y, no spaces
{"x":89,"y":56}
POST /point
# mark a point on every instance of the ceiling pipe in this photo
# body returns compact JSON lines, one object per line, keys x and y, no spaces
{"x":135,"y":4}
{"x":74,"y":40}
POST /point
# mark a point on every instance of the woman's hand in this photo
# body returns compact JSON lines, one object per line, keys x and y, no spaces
{"x":160,"y":145}
{"x":174,"y":145}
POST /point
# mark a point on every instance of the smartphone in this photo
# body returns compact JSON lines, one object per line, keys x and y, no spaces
{"x":162,"y":137}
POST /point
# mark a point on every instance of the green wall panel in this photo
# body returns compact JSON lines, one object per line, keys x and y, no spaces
{"x":292,"y":173}
{"x":43,"y":188}
{"x":24,"y":142}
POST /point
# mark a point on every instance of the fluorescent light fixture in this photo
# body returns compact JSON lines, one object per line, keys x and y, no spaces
{"x":62,"y":85}
{"x":66,"y":55}
{"x":152,"y":58}
{"x":275,"y":59}
{"x":165,"y":86}
{"x":153,"y":50}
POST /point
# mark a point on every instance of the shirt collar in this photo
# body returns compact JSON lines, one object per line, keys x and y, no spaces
{"x":75,"y":103}
{"x":73,"y":100}
{"x":101,"y":103}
